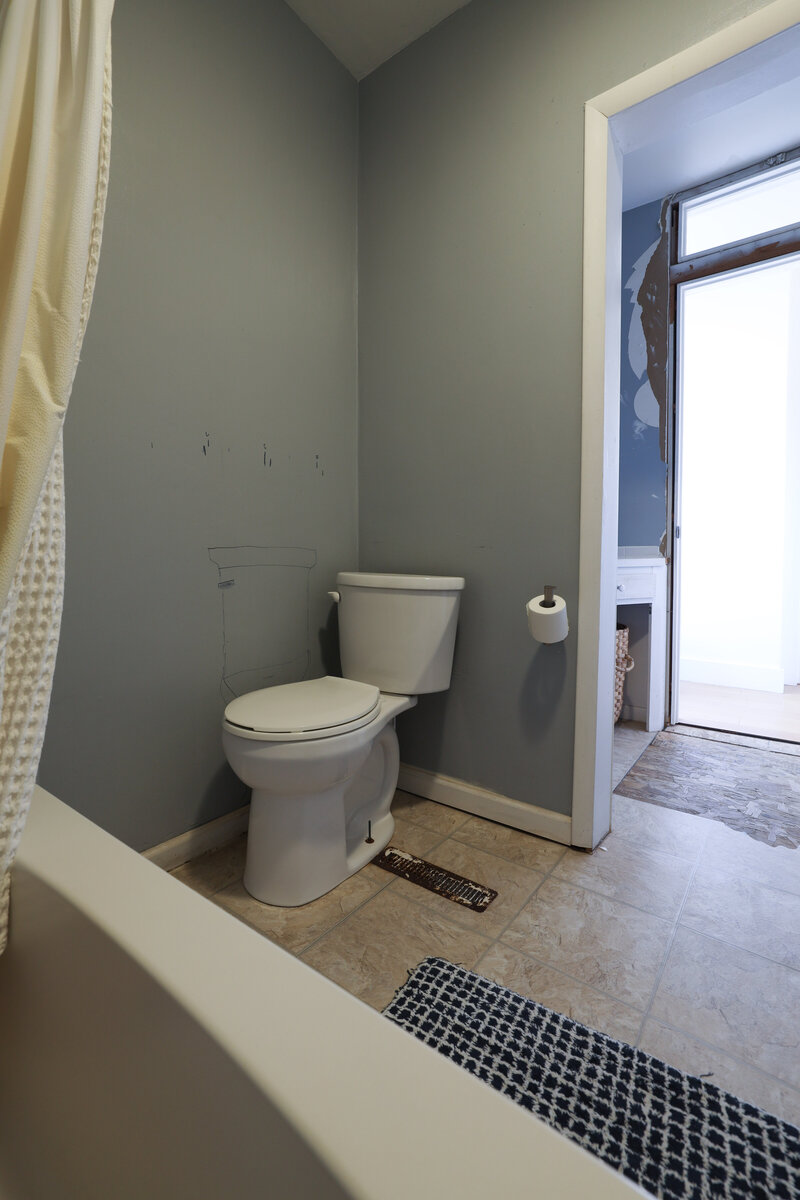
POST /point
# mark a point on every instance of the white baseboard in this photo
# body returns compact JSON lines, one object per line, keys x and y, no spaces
{"x":482,"y":803}
{"x":210,"y":836}
{"x":737,"y":675}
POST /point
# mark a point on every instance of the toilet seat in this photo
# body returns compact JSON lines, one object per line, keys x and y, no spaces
{"x":297,"y":712}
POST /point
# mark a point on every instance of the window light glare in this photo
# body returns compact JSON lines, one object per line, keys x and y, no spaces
{"x":742,"y":210}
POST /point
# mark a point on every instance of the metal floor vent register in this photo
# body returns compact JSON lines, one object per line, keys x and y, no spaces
{"x":436,"y":879}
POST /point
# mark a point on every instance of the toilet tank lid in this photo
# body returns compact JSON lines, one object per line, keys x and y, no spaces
{"x":312,"y":704}
{"x":408,"y":583}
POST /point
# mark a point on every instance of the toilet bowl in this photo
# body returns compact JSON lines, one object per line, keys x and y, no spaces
{"x":321,"y":755}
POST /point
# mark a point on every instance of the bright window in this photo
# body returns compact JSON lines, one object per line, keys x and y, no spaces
{"x":741,"y":210}
{"x":739,"y":380}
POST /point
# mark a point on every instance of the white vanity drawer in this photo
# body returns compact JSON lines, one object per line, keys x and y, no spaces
{"x":636,"y":585}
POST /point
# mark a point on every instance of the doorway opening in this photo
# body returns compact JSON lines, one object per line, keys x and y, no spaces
{"x":725,"y":102}
{"x":735,"y":529}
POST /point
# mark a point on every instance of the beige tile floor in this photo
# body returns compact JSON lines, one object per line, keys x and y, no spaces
{"x":631,"y":739}
{"x":678,"y":935}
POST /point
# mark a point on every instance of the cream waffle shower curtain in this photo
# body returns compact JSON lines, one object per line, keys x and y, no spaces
{"x":55,"y":128}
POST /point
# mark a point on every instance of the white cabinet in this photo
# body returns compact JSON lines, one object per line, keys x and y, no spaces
{"x":642,"y":579}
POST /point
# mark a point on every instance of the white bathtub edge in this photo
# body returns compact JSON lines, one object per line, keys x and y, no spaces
{"x":319,"y":1054}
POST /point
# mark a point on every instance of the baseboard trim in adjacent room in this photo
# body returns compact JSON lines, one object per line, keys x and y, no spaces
{"x":482,"y":803}
{"x":632,"y":712}
{"x":211,"y":836}
{"x":738,"y":675}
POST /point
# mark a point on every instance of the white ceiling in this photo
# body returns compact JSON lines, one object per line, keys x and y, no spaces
{"x":362,"y":34}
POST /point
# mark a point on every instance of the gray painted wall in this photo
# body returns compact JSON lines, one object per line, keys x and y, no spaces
{"x":215,"y":406}
{"x":470,"y":226}
{"x":642,"y":471}
{"x":223,"y":337}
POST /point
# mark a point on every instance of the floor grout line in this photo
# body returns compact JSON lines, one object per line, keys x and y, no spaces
{"x":668,"y":952}
{"x":742,"y":1062}
{"x":389,"y":881}
{"x":315,"y":941}
{"x":703,"y":860}
{"x":559,"y":970}
{"x":497,"y":939}
{"x":494,"y":853}
{"x":545,"y":876}
{"x":421,"y":901}
{"x":638,"y":847}
{"x":715,"y":937}
{"x":749,"y":880}
{"x":593,"y":891}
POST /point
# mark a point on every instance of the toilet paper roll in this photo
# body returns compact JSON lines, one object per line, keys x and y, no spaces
{"x":547,"y":624}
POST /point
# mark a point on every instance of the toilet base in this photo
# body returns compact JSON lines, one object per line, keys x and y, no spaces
{"x":301,"y":846}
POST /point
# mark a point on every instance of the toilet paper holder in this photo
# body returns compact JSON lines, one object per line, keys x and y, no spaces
{"x":549,"y":591}
{"x":547,"y":616}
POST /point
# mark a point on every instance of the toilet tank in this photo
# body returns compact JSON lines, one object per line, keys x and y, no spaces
{"x":397,"y":632}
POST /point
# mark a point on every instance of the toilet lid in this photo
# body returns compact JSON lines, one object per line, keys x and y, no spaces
{"x":310,"y":707}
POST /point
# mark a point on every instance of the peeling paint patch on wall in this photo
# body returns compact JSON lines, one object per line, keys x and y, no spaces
{"x":645,"y":405}
{"x":653,"y":299}
{"x":643,"y":376}
{"x":265,"y":615}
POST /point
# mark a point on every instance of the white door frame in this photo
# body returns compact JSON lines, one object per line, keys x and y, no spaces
{"x":674,"y":642}
{"x":602,"y":289}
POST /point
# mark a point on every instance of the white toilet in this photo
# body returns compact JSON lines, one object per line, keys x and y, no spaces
{"x":321,"y":756}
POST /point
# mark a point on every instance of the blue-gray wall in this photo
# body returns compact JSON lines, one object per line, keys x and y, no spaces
{"x":215,"y":404}
{"x":214,"y":409}
{"x":470,"y":262}
{"x":642,"y":471}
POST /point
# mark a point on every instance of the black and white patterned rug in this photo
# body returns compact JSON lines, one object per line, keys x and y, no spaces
{"x":672,"y":1134}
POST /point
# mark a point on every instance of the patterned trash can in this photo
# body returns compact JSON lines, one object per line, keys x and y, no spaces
{"x":624,"y":663}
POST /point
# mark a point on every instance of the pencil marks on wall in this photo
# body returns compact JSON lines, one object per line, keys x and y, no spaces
{"x":264,"y":597}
